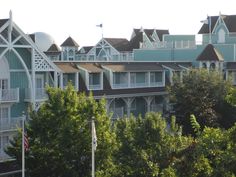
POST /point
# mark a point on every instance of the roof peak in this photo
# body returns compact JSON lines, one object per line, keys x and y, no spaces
{"x":69,"y":42}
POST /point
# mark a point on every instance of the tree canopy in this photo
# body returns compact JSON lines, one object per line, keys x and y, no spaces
{"x":60,"y":137}
{"x":202,"y":93}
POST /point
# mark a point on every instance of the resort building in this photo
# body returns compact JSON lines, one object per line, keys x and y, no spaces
{"x":131,"y":75}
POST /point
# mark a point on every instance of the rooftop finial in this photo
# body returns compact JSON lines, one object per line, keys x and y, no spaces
{"x":10,"y":15}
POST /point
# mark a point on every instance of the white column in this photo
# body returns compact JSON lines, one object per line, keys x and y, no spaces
{"x":33,"y":78}
{"x":128,"y":102}
{"x":77,"y":81}
{"x":148,"y":100}
{"x":55,"y":79}
{"x":61,"y":80}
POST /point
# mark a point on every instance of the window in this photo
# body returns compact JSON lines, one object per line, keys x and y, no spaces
{"x":155,"y":77}
{"x":139,"y":79}
{"x":4,"y":115}
{"x":212,"y":66}
{"x":3,"y":84}
{"x":94,"y":80}
{"x":221,"y":36}
{"x":204,"y":65}
{"x":120,"y":79}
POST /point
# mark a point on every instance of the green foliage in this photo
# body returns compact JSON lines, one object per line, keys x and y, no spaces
{"x":231,"y":96}
{"x":60,"y":137}
{"x":195,"y":125}
{"x":148,"y":147}
{"x":202,"y":93}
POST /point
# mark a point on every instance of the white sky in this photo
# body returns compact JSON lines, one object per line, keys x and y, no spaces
{"x":78,"y":18}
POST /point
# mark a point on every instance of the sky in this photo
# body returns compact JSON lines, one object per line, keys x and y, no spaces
{"x":78,"y":18}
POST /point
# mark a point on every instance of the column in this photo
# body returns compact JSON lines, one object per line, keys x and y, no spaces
{"x":61,"y":80}
{"x":77,"y":81}
{"x":55,"y":79}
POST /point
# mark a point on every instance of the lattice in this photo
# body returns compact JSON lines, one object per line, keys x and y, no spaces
{"x":41,"y":64}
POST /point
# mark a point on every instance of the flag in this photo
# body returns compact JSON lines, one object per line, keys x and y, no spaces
{"x":26,"y":142}
{"x":100,"y":25}
{"x":205,"y":21}
{"x":94,"y":136}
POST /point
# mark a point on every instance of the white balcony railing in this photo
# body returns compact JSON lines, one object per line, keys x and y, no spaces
{"x":137,"y":85}
{"x":175,"y":44}
{"x":156,"y":84}
{"x":11,"y":124}
{"x":40,"y":94}
{"x":122,"y":85}
{"x":9,"y":95}
{"x":95,"y":87}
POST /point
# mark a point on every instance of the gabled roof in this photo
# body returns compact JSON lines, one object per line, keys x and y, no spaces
{"x":160,"y":33}
{"x":210,"y":53}
{"x":205,"y":27}
{"x":53,"y":48}
{"x":85,"y":50}
{"x":2,"y":22}
{"x":120,"y":44}
{"x":69,"y":42}
{"x":135,"y":41}
{"x":229,"y":20}
{"x":138,"y":37}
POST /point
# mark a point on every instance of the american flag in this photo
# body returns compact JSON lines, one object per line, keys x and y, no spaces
{"x":26,"y":142}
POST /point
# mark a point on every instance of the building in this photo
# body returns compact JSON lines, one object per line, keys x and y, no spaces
{"x":131,"y":74}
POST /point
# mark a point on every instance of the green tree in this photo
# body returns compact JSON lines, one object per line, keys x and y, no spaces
{"x":60,"y":137}
{"x":211,"y":154}
{"x":202,"y":93}
{"x":148,"y":146}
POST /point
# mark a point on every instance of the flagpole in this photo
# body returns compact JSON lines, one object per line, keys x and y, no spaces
{"x":93,"y":153}
{"x":23,"y":147}
{"x":209,"y":23}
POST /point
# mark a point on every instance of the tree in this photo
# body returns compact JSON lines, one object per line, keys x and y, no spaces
{"x":148,"y":146}
{"x":60,"y":137}
{"x":202,"y":93}
{"x":212,"y":153}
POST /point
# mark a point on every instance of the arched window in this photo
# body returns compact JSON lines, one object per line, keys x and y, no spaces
{"x":221,"y":36}
{"x":204,"y":65}
{"x":212,"y":66}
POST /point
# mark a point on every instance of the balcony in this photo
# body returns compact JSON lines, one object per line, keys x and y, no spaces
{"x":120,"y":86}
{"x":11,"y":124}
{"x":9,"y":95}
{"x":95,"y":87}
{"x":40,"y":94}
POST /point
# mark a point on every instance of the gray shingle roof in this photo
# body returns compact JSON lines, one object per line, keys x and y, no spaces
{"x":69,"y":42}
{"x":229,"y":20}
{"x":210,"y":53}
{"x":86,"y":49}
{"x":120,"y":44}
{"x":53,"y":48}
{"x":3,"y":21}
